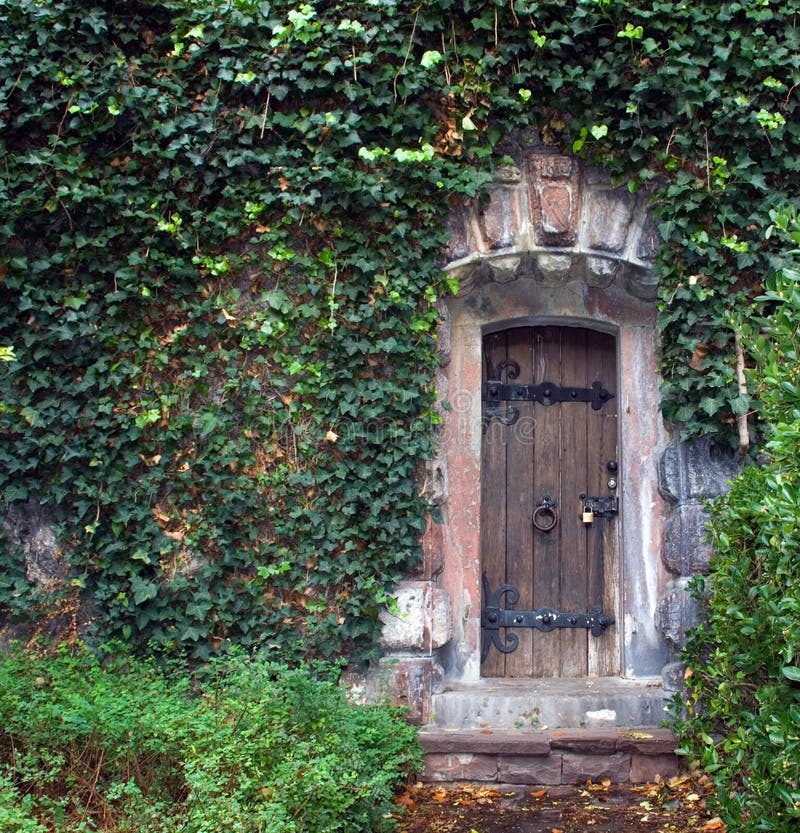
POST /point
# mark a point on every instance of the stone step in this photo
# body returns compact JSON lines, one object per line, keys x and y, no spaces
{"x":585,"y":702}
{"x":537,"y":757}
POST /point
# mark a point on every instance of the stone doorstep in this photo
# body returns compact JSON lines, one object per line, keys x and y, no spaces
{"x":567,"y":756}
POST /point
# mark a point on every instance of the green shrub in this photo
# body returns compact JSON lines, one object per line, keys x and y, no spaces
{"x":121,"y":745}
{"x":15,"y":810}
{"x":743,"y":706}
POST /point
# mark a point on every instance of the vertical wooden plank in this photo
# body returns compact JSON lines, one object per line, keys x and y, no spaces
{"x":519,"y":501}
{"x":546,"y":481}
{"x":604,"y":652}
{"x":493,"y":499}
{"x":575,"y":534}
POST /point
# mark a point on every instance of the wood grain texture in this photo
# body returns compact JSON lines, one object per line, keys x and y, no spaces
{"x":557,"y":451}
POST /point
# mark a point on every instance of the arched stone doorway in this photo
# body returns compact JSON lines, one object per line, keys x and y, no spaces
{"x":556,"y":249}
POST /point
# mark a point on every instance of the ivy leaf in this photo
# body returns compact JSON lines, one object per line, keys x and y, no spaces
{"x":431,"y":58}
{"x":791,"y":672}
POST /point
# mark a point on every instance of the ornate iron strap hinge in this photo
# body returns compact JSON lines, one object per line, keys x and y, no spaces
{"x":545,"y":393}
{"x":494,"y":617}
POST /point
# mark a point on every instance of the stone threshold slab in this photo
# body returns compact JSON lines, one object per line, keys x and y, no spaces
{"x":589,"y":702}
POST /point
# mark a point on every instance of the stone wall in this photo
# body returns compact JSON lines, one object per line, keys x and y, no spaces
{"x":690,"y":474}
{"x":555,"y":242}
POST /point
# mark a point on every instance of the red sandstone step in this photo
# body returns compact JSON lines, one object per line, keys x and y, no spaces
{"x":564,"y":756}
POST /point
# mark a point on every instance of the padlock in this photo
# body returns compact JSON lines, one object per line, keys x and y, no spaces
{"x":588,"y":515}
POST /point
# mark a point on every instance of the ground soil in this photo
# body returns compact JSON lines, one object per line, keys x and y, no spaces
{"x":674,"y":806}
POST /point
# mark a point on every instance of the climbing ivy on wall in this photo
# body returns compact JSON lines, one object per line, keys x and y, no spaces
{"x":220,"y":270}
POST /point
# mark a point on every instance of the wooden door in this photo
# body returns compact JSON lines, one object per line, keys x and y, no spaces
{"x":549,"y":455}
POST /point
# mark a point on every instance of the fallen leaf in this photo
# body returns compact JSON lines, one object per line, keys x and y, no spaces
{"x":539,"y":794}
{"x":714,"y":824}
{"x":406,"y":801}
{"x":440,"y":795}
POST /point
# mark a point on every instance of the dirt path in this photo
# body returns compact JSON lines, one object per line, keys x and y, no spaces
{"x":674,"y":806}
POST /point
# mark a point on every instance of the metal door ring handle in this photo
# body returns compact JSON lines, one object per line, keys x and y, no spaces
{"x":545,"y":517}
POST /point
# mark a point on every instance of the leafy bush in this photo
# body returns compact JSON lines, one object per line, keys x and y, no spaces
{"x":120,"y":745}
{"x":743,"y":678}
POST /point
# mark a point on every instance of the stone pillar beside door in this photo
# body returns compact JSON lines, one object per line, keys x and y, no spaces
{"x":416,"y":624}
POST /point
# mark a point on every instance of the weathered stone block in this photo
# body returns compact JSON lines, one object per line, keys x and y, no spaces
{"x":610,"y":214}
{"x":440,"y":608}
{"x":465,"y":767}
{"x":485,"y":742}
{"x":649,"y":241}
{"x":554,"y":270}
{"x":500,"y":218}
{"x":641,"y":283}
{"x":672,"y":676}
{"x":649,"y":741}
{"x":404,"y":626}
{"x":695,"y":470}
{"x":555,"y":196}
{"x":407,"y":682}
{"x":595,"y":742}
{"x":505,"y":268}
{"x":677,"y":612}
{"x":29,"y":527}
{"x":420,"y":621}
{"x":686,"y":549}
{"x":460,"y":243}
{"x":508,"y":175}
{"x":647,"y":768}
{"x":524,"y":769}
{"x":601,"y":271}
{"x":577,"y":768}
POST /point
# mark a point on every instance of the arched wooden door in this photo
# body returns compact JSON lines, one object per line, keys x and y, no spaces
{"x":549,"y":506}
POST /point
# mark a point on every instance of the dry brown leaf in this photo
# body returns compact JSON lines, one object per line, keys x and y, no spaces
{"x":714,"y":824}
{"x":406,"y":801}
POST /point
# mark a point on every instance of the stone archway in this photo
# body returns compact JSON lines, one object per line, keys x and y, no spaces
{"x":556,"y":244}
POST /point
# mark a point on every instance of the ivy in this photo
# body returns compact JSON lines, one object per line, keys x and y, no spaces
{"x":222,"y":237}
{"x":738,"y":714}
